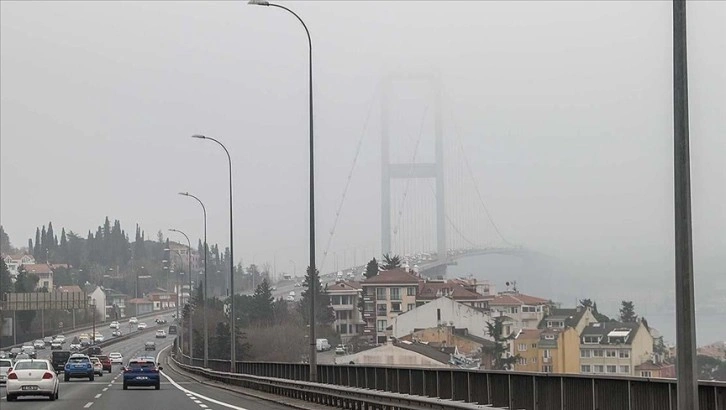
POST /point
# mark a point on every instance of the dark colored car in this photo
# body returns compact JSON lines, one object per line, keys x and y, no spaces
{"x":149,"y":346}
{"x":141,"y":372}
{"x":59,"y":359}
{"x":172,"y":330}
{"x":106,"y":362}
{"x":94,"y":351}
{"x":14,"y":352}
{"x":78,"y":366}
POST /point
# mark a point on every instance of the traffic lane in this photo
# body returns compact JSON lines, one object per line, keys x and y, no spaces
{"x":78,"y":393}
{"x":187,"y":393}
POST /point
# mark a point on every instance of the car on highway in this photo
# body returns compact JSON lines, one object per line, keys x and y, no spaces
{"x":32,"y":378}
{"x":30,"y":351}
{"x":114,"y":325}
{"x":4,"y":355}
{"x":98,"y":337}
{"x":59,"y":359}
{"x":84,"y":340}
{"x":5,"y":366}
{"x":172,"y":330}
{"x":75,"y":344}
{"x":48,"y":340}
{"x":106,"y":362}
{"x":78,"y":366}
{"x":14,"y":352}
{"x":97,"y":365}
{"x":149,"y":346}
{"x":141,"y":326}
{"x":39,"y":344}
{"x":116,"y":333}
{"x":56,"y":345}
{"x":60,"y":338}
{"x":160,"y":334}
{"x":22,"y":356}
{"x":116,"y":358}
{"x":133,"y":320}
{"x":141,"y":372}
{"x":93,"y":351}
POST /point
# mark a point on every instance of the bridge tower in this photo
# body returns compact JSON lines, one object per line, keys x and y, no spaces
{"x":390,"y":171}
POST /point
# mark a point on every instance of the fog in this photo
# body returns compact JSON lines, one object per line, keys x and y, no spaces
{"x":564,"y":110}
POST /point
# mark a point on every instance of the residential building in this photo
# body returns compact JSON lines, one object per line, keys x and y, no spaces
{"x":96,"y":297}
{"x":180,"y":259}
{"x":614,"y":348}
{"x":577,"y":318}
{"x":44,"y":273}
{"x":345,"y":297}
{"x":449,"y":336}
{"x":162,"y":299}
{"x":139,"y":306}
{"x":525,"y":345}
{"x":117,"y":302}
{"x":443,"y":311}
{"x":457,"y":289}
{"x":526,"y":311}
{"x":13,"y":262}
{"x":385,"y":296}
{"x":559,"y":350}
{"x":655,"y":370}
{"x":400,"y":354}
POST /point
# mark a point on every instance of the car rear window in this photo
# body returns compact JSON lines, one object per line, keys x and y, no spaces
{"x":6,"y":363}
{"x":102,"y":358}
{"x":31,"y":365}
{"x":142,"y":365}
{"x":78,"y":360}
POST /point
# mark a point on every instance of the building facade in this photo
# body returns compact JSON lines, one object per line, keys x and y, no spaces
{"x":345,"y":297}
{"x":443,"y":311}
{"x":614,"y":348}
{"x":526,"y":311}
{"x":385,"y":296}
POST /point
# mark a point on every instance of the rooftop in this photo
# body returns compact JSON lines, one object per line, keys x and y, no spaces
{"x":571,"y":317}
{"x":391,"y":277}
{"x":345,"y":285}
{"x":38,"y":268}
{"x":516,"y":299}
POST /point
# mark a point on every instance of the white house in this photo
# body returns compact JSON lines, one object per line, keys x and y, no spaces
{"x":443,"y":311}
{"x":13,"y":262}
{"x":96,"y":296}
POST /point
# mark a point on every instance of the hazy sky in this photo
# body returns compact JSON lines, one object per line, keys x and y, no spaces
{"x":563,"y":108}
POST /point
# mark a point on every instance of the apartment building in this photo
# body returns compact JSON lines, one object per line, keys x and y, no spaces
{"x":457,"y":289}
{"x":526,"y":311}
{"x":345,"y":297}
{"x":559,"y":350}
{"x":526,"y":346}
{"x":385,"y":296}
{"x":578,"y":318}
{"x":614,"y":348}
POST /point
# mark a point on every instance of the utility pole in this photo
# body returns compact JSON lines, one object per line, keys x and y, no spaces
{"x":685,"y":303}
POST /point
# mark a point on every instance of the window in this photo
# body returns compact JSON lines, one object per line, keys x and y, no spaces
{"x":646,"y":374}
{"x":396,"y":307}
{"x":515,"y":310}
{"x":380,"y":293}
{"x":591,"y":339}
{"x":528,"y":309}
{"x":335,"y":300}
{"x":547,"y":369}
{"x":612,"y":368}
{"x":534,"y":345}
{"x":410,"y":291}
{"x":382,"y":325}
{"x":395,"y":293}
{"x":585,"y":368}
{"x":381,"y":310}
{"x":546,"y":354}
{"x":342,"y":329}
{"x":625,"y":354}
{"x":522,"y":347}
{"x":625,"y":369}
{"x":411,"y":306}
{"x":550,"y":337}
{"x":585,"y":353}
{"x":522,"y":361}
{"x":598,"y":368}
{"x":438,"y":315}
{"x":368,"y":307}
{"x":597,"y":353}
{"x":533,"y":360}
{"x":610,"y":353}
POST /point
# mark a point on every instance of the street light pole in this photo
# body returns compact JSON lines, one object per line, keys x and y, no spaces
{"x":204,"y":306}
{"x":232,"y":314}
{"x":189,"y":254}
{"x":313,"y":271}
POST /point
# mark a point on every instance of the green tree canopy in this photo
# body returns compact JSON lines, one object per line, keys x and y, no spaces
{"x":262,"y":309}
{"x":372,"y":268}
{"x":627,"y":312}
{"x":391,"y":262}
{"x":324,"y":314}
{"x":498,"y":351}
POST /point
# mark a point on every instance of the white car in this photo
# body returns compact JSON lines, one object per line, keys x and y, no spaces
{"x":133,"y":321}
{"x":32,"y":378}
{"x":141,"y":326}
{"x":97,"y":366}
{"x":60,"y":338}
{"x":5,"y":365}
{"x":160,"y":334}
{"x":116,"y":333}
{"x":116,"y":357}
{"x":39,"y":344}
{"x":98,"y":337}
{"x":114,"y":325}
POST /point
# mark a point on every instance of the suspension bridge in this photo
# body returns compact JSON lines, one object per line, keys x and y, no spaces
{"x":433,"y":210}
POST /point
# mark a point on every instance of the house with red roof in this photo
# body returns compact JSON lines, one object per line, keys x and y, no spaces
{"x":385,"y":296}
{"x":527,"y":311}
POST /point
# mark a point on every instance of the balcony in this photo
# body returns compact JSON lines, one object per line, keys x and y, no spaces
{"x":343,"y":307}
{"x":547,"y":360}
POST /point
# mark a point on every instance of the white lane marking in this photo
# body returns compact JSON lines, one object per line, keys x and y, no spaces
{"x":89,"y":404}
{"x":97,"y":396}
{"x":209,"y":399}
{"x":204,"y":406}
{"x":105,"y":389}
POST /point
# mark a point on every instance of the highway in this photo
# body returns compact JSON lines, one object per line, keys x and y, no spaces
{"x":177,"y":391}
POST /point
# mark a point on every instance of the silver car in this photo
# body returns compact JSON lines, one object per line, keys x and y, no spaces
{"x":5,"y":365}
{"x":32,"y":378}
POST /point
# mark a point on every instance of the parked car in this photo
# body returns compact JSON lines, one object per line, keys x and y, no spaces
{"x":160,"y":334}
{"x":141,"y":326}
{"x":133,"y":320}
{"x":340,"y":349}
{"x":116,"y":358}
{"x":97,"y":366}
{"x":141,"y":372}
{"x":149,"y":346}
{"x":32,"y":378}
{"x":5,"y":366}
{"x":78,"y":366}
{"x":59,"y":359}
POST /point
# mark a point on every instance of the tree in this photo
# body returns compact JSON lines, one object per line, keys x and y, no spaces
{"x":324,"y":314}
{"x":36,"y":247}
{"x":593,"y":307}
{"x":627,"y":312}
{"x":6,"y":284}
{"x":25,"y":283}
{"x":499,"y":350}
{"x":371,"y":268}
{"x":391,"y":262}
{"x":262,"y":299}
{"x":5,"y":246}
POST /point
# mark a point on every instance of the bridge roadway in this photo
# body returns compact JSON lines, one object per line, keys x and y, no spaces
{"x":106,"y":393}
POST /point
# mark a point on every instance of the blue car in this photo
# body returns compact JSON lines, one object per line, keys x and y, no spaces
{"x":142,"y":372}
{"x":78,"y":366}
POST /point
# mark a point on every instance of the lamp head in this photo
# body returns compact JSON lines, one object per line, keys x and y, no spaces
{"x":201,"y":137}
{"x":184,"y":193}
{"x":259,"y":2}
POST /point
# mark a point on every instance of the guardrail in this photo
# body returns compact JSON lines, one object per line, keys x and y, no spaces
{"x":330,"y":395}
{"x":514,"y":390}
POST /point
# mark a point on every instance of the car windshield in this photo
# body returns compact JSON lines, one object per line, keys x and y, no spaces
{"x":78,"y":360}
{"x":31,"y":365}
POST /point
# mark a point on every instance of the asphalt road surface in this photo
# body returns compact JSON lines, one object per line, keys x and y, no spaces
{"x":177,"y":392}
